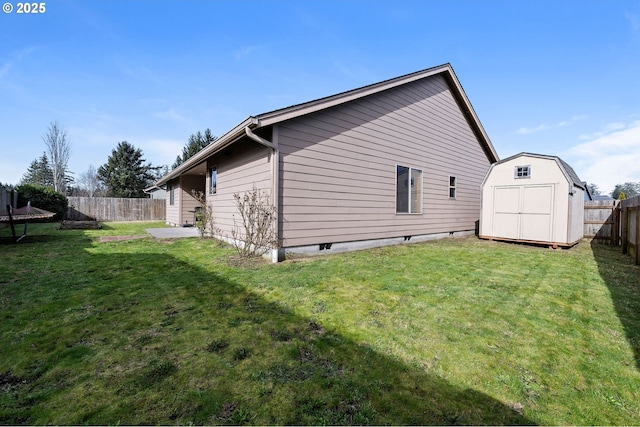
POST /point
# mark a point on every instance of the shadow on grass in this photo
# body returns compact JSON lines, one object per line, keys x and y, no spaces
{"x":144,"y":338}
{"x":623,"y":280}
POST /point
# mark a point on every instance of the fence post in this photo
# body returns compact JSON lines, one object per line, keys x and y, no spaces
{"x":637,"y":260}
{"x":625,"y":229}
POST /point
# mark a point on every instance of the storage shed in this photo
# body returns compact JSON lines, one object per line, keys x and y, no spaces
{"x":532,"y":198}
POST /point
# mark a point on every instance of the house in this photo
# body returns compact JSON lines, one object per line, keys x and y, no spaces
{"x":602,"y":197}
{"x":533,"y":198}
{"x":397,"y":161}
{"x":155,"y":192}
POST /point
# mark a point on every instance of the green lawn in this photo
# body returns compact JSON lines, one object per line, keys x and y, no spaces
{"x":449,"y":332}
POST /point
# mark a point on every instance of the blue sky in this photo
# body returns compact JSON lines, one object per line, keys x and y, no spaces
{"x":549,"y":77}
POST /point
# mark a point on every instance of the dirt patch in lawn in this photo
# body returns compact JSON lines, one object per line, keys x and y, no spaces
{"x":80,"y":225}
{"x":120,"y":238}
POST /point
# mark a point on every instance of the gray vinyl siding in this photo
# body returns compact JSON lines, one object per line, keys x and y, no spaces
{"x":338,"y":167}
{"x":239,"y":168}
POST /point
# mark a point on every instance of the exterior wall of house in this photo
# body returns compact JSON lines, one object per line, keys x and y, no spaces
{"x":239,"y":168}
{"x":338,"y":167}
{"x":183,"y":208}
{"x":188,"y":184}
{"x":537,"y":208}
{"x":173,"y":210}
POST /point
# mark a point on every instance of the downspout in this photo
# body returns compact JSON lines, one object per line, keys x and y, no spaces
{"x":275,"y":179}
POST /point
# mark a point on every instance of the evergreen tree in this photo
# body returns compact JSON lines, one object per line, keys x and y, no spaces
{"x":125,"y":174}
{"x":39,"y":173}
{"x":630,"y":189}
{"x":196,"y":143}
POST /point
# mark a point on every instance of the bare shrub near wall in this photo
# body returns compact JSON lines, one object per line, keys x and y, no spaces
{"x":254,"y":233}
{"x":205,"y":221}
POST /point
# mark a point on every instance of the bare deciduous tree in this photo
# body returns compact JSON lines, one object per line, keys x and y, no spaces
{"x":255,"y":234}
{"x":89,"y":184}
{"x":59,"y":152}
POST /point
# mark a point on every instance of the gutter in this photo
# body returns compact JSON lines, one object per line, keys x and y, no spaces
{"x":222,"y":142}
{"x":275,"y":179}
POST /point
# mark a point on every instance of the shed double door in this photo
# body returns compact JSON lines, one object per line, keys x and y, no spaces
{"x":523,"y":212}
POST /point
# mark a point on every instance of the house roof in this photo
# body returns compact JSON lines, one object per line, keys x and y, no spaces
{"x":567,"y":170}
{"x":602,"y":197}
{"x":280,"y":115}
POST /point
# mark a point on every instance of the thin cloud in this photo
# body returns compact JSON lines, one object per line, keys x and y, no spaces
{"x":172,"y":115}
{"x":18,"y":57}
{"x":610,"y":127}
{"x":163,"y":151}
{"x":139,"y":73}
{"x":634,"y":22}
{"x":244,"y":52}
{"x":547,"y":126}
{"x":609,"y":157}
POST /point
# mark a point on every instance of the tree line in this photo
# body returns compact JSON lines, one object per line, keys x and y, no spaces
{"x":125,"y":174}
{"x":620,"y":192}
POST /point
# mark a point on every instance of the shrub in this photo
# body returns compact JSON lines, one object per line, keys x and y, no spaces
{"x":205,"y":221}
{"x":255,"y":234}
{"x":43,"y":198}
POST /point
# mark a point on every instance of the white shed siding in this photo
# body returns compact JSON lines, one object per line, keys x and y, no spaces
{"x":540,"y":207}
{"x":338,"y":167}
{"x":576,"y":215}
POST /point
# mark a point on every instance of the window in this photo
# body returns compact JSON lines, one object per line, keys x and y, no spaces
{"x":172,"y":194}
{"x":452,"y":187}
{"x":408,"y":190}
{"x":213,"y":180}
{"x":523,"y":171}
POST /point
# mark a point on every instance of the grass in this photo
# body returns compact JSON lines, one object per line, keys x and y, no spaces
{"x":450,"y":332}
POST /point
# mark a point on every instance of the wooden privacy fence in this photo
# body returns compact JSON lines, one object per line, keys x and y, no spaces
{"x":601,"y":222}
{"x":115,"y":209}
{"x":630,"y":227}
{"x":615,"y":222}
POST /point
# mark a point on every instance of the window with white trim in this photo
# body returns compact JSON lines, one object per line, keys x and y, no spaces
{"x":213,"y":179}
{"x":172,"y":194}
{"x":453,"y":181}
{"x":408,"y":190}
{"x":522,"y":171}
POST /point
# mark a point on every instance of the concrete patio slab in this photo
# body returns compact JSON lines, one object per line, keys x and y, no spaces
{"x":173,"y":232}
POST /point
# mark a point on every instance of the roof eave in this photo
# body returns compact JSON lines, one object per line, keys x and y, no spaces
{"x":220,"y":143}
{"x":294,"y":111}
{"x":298,"y":110}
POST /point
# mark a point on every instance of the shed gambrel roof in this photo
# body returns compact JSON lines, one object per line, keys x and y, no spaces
{"x":280,"y":115}
{"x":567,"y":170}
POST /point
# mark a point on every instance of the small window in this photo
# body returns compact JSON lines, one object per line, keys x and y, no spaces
{"x":408,"y":190}
{"x":172,"y":194}
{"x":213,"y":180}
{"x":452,"y":187}
{"x":523,"y":171}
